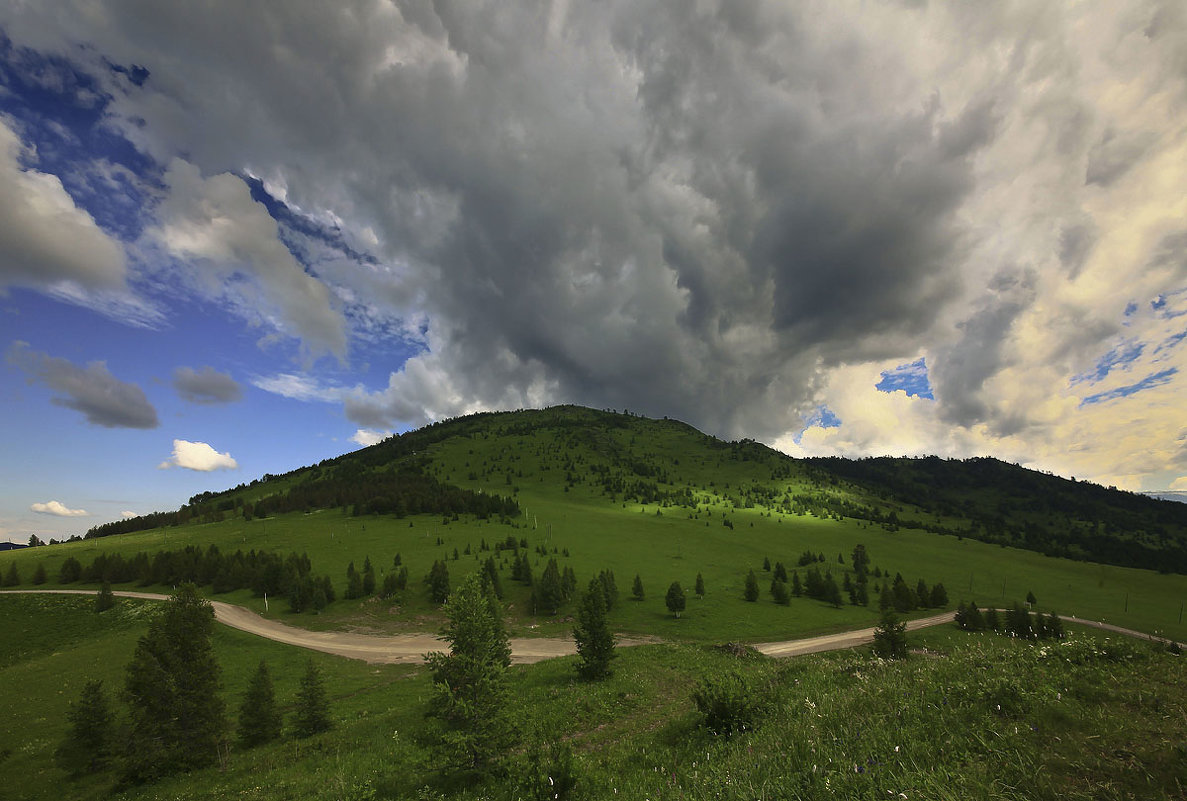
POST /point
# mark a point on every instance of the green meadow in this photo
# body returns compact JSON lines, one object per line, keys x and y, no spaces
{"x":660,"y":550}
{"x":967,"y":716}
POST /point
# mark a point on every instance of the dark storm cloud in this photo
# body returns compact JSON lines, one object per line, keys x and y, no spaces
{"x":684,"y":209}
{"x":205,"y":386}
{"x":979,"y":352}
{"x":92,"y":390}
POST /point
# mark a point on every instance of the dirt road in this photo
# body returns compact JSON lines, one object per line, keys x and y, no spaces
{"x":411,"y":648}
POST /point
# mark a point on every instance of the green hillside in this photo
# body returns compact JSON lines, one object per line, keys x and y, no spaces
{"x":603,"y":491}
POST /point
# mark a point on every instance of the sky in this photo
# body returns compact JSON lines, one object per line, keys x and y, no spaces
{"x":239,"y":238}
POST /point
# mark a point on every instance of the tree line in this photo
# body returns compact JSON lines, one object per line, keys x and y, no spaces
{"x":262,"y":572}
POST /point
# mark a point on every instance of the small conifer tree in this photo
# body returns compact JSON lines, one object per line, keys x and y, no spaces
{"x":87,"y":746}
{"x":438,"y":581}
{"x":470,"y":682}
{"x":105,"y":599}
{"x":780,"y":592}
{"x":312,"y":714}
{"x":368,"y":577}
{"x":39,"y":574}
{"x":675,"y":599}
{"x":259,"y":721}
{"x":890,"y":637}
{"x":700,"y":586}
{"x":11,"y":577}
{"x":637,"y":589}
{"x":595,"y":642}
{"x":750,"y":593}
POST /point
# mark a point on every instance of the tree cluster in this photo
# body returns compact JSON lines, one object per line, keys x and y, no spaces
{"x":900,"y":597}
{"x":175,"y":717}
{"x":1018,"y":621}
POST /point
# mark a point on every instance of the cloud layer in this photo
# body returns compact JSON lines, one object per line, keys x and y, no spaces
{"x":734,"y":213}
{"x":198,"y":456}
{"x":92,"y":390}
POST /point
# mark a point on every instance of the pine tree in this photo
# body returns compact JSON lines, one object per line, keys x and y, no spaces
{"x":568,"y":583}
{"x":751,"y":591}
{"x":939,"y":596}
{"x":105,"y":599}
{"x":779,"y":592}
{"x":70,"y":571}
{"x":312,"y":714}
{"x":922,"y":594}
{"x":797,"y":589}
{"x":780,"y":572}
{"x":1019,"y":623}
{"x":890,"y":637}
{"x":11,"y":577}
{"x":595,"y":642}
{"x":610,"y":589}
{"x":992,"y":619}
{"x":368,"y":578}
{"x":87,"y":747}
{"x":470,"y":697}
{"x":39,"y":574}
{"x":700,"y":586}
{"x":438,"y":581}
{"x":259,"y":721}
{"x":492,"y":575}
{"x":354,"y":582}
{"x":637,"y":589}
{"x":177,"y":716}
{"x":550,"y":592}
{"x":832,"y":593}
{"x":766,"y":564}
{"x":1030,"y":597}
{"x":860,"y":560}
{"x":675,"y":599}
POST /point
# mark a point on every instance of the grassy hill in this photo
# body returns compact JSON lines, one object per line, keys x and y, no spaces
{"x":968,"y":716}
{"x":604,"y":491}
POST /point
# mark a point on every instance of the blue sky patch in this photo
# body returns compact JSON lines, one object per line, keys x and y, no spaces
{"x":1149,"y":382}
{"x":1121,"y":356}
{"x":910,"y":378}
{"x":62,"y":113}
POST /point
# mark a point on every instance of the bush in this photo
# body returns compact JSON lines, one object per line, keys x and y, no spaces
{"x":546,"y":775}
{"x":728,"y":703}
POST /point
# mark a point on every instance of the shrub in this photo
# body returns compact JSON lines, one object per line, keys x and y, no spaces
{"x":728,"y":703}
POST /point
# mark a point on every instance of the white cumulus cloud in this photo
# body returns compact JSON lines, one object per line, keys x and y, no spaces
{"x":198,"y":456}
{"x":58,"y":509}
{"x":365,"y":436}
{"x":44,"y":236}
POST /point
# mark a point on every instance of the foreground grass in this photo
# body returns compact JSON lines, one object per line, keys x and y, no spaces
{"x":971,"y":716}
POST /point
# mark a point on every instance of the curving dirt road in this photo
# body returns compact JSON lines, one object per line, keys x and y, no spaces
{"x":411,"y":648}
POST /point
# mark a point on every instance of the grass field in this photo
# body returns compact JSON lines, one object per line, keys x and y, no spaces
{"x":660,"y":549}
{"x":971,"y":716}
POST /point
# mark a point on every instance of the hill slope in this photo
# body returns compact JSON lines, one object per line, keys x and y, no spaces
{"x":640,"y":460}
{"x":596,"y":492}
